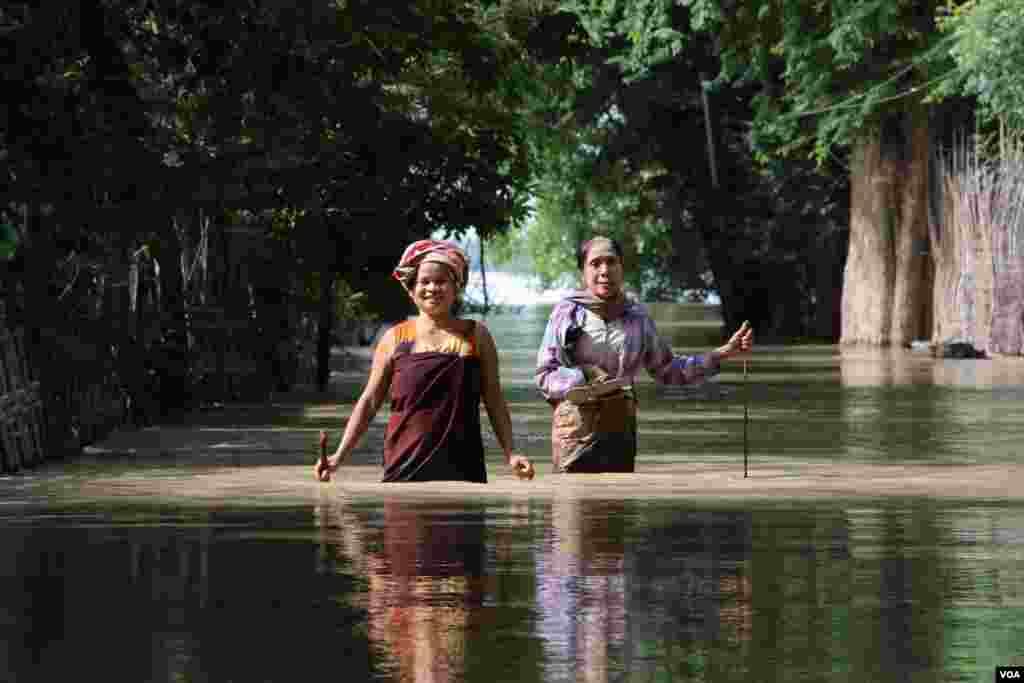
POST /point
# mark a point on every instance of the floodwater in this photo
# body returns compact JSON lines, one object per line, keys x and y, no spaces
{"x":878,"y":536}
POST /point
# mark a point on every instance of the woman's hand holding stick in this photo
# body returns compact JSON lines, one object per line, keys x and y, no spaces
{"x":521,"y":466}
{"x":742,"y":341}
{"x":323,"y":465}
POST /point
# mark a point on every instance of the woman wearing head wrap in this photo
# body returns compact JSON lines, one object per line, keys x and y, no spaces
{"x":435,"y":368}
{"x":597,"y":341}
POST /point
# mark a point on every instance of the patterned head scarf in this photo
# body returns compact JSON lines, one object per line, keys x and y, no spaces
{"x":424,"y":251}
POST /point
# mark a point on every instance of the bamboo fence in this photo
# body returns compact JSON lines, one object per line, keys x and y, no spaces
{"x":978,"y":240}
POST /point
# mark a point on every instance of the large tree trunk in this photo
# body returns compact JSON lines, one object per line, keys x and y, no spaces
{"x":886,"y":296}
{"x":912,"y":284}
{"x":867,"y":278}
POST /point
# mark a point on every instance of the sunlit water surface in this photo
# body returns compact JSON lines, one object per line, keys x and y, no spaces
{"x":205,"y":552}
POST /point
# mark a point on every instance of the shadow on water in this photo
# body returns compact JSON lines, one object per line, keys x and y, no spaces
{"x":201,"y":553}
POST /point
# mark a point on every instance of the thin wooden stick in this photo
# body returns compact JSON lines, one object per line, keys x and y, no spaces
{"x":746,"y":401}
{"x":323,"y":449}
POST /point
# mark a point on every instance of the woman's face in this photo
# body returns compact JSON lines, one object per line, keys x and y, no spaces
{"x":602,"y":272}
{"x":434,"y":289}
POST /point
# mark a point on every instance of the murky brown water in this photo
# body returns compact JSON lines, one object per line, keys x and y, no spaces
{"x":879,"y":537}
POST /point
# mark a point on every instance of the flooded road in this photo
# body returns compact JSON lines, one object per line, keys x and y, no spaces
{"x":879,"y":537}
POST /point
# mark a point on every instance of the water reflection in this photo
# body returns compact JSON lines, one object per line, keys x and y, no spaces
{"x":426,"y":580}
{"x":624,"y":592}
{"x":693,"y":595}
{"x":582,"y":590}
{"x":138,"y":595}
{"x":905,"y":405}
{"x":574,"y":588}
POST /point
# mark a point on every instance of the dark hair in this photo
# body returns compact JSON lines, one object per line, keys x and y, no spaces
{"x":584,"y":246}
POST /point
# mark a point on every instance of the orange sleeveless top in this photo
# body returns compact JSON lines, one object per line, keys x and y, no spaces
{"x":403,"y":339}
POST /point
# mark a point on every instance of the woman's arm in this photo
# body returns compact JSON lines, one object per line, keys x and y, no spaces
{"x":555,"y":373}
{"x":667,"y":368}
{"x":494,"y":401}
{"x":742,"y":341}
{"x":374,"y":394}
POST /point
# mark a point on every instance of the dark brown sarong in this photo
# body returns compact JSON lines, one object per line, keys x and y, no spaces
{"x":434,"y":430}
{"x":595,"y":436}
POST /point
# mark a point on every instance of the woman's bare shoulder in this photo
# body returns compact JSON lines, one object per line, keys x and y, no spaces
{"x":394,"y":335}
{"x":481,"y":334}
{"x":464,"y":326}
{"x":403,"y":330}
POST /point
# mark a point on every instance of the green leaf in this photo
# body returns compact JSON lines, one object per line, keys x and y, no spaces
{"x":8,"y":241}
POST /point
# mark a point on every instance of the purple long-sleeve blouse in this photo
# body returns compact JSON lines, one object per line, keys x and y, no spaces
{"x":620,"y":347}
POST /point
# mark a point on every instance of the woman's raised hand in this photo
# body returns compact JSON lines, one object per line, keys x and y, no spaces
{"x":742,"y":341}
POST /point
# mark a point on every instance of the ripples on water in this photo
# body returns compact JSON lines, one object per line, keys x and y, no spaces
{"x":139,"y":569}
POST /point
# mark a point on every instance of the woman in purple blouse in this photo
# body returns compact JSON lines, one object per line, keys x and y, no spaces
{"x":596,"y":342}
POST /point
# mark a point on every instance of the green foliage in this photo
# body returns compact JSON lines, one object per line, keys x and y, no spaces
{"x":646,"y":24}
{"x":551,"y":242}
{"x":8,"y":241}
{"x":584,"y":184}
{"x":508,"y":250}
{"x":625,"y":150}
{"x":562,"y":221}
{"x":349,"y":305}
{"x":360,"y":127}
{"x":989,"y":56}
{"x":825,"y":70}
